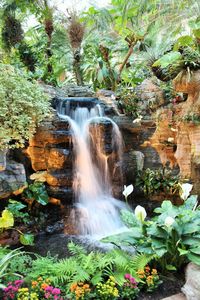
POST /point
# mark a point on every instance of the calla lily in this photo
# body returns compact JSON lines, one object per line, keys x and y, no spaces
{"x":169,"y":221}
{"x":185,"y":190}
{"x":140,"y":213}
{"x":127,"y":190}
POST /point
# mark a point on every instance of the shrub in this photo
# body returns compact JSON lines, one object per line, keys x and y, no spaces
{"x":23,"y":106}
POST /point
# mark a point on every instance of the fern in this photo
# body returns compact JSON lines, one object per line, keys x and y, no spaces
{"x":140,"y":261}
{"x":76,"y":250}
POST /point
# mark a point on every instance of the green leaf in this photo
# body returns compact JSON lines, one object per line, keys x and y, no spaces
{"x":26,"y":239}
{"x":127,"y":238}
{"x":196,"y":33}
{"x":182,"y":251}
{"x":194,"y":258}
{"x":158,"y":243}
{"x":190,"y":202}
{"x":100,"y":77}
{"x":7,"y":219}
{"x":160,"y":252}
{"x":195,"y":250}
{"x":191,"y":228}
{"x":43,"y":199}
{"x":183,"y":41}
{"x":191,"y":241}
{"x":171,"y":268}
{"x":168,"y":59}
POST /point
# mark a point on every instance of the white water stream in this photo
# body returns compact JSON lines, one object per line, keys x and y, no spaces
{"x":98,"y":213}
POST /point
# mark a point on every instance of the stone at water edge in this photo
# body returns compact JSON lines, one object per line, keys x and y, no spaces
{"x":192,"y":286}
{"x":179,"y":296}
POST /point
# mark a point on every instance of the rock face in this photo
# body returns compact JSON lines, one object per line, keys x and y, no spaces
{"x":150,"y":97}
{"x":177,"y":137}
{"x":192,"y":286}
{"x":51,"y":150}
{"x":12,"y":179}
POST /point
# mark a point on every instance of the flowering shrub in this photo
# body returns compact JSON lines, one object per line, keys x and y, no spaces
{"x":23,"y":106}
{"x":80,"y":290}
{"x":108,"y":290}
{"x":130,"y":288}
{"x":150,"y":278}
{"x":11,"y":290}
{"x":39,"y":289}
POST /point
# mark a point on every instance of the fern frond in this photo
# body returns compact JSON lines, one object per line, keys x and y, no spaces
{"x":140,"y":261}
{"x":76,"y":250}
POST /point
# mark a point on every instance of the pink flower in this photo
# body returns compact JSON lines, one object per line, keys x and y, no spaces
{"x":56,"y":291}
{"x":127,"y":276}
{"x":132,"y":280}
{"x":19,"y":282}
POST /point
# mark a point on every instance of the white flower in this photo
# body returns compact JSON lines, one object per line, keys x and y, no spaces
{"x":185,"y":190}
{"x":137,"y":120}
{"x":170,"y":139}
{"x":127,"y":190}
{"x":140,"y":213}
{"x":169,"y":221}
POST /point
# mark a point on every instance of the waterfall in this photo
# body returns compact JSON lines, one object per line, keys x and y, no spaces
{"x":97,"y":211}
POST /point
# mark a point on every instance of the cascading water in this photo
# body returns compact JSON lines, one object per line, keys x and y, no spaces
{"x":97,"y":210}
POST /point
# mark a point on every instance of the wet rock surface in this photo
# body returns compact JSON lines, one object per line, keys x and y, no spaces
{"x":12,"y":179}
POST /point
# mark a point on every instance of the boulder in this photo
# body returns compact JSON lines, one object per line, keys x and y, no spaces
{"x":12,"y":179}
{"x":150,"y":96}
{"x":192,"y":286}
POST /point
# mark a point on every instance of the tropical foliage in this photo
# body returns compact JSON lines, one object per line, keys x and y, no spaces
{"x":23,"y":106}
{"x":172,"y":235}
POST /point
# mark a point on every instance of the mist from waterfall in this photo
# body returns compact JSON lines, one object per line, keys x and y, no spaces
{"x":98,"y":212}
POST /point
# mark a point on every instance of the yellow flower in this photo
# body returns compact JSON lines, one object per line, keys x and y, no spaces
{"x":154,"y":272}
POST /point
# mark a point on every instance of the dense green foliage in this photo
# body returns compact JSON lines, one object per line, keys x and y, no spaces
{"x":23,"y":106}
{"x":95,"y":269}
{"x":172,"y":235}
{"x":160,"y":180}
{"x":102,"y":47}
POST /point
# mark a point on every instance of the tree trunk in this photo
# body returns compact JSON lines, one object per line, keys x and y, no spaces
{"x":77,"y":67}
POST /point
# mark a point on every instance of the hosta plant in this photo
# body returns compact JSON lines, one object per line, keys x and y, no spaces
{"x":172,"y":235}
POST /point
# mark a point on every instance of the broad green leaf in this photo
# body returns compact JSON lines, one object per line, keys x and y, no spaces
{"x":195,"y":250}
{"x":168,"y":59}
{"x":158,"y":243}
{"x":196,"y":33}
{"x":26,"y":239}
{"x":160,"y":252}
{"x":191,"y":241}
{"x":7,"y":219}
{"x":128,"y":237}
{"x":189,"y":203}
{"x":191,"y":228}
{"x":194,"y":258}
{"x":157,"y":231}
{"x":183,"y":41}
{"x":15,"y":206}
